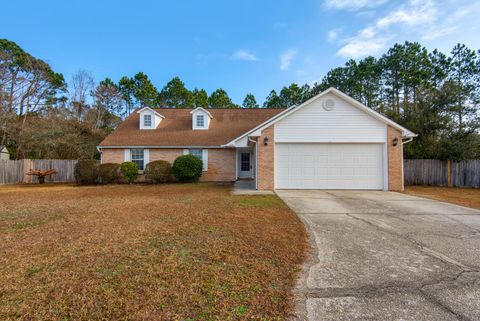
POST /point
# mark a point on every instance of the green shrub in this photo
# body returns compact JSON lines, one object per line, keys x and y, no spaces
{"x":158,"y":171}
{"x":187,"y":168}
{"x":87,"y":171}
{"x":129,"y":170}
{"x":109,"y":173}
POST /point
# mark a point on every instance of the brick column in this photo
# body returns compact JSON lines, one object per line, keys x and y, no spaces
{"x":266,"y":159}
{"x":395,"y":160}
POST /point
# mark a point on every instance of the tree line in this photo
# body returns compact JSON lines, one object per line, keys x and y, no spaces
{"x":433,"y":94}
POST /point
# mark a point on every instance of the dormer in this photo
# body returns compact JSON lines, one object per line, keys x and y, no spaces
{"x":149,"y":118}
{"x":200,"y":118}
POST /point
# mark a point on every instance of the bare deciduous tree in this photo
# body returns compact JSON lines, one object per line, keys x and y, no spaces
{"x":82,"y":85}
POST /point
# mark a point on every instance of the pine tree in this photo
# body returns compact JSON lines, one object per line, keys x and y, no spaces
{"x":250,"y":101}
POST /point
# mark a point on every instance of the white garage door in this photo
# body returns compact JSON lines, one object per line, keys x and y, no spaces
{"x":328,"y":166}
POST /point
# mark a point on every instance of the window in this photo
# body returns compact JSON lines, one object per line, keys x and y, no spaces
{"x":200,"y":121}
{"x":200,"y":153}
{"x":147,"y":120}
{"x":196,"y":152}
{"x":138,"y":157}
{"x":245,"y":162}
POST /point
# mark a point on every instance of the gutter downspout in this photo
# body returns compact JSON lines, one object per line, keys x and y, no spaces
{"x":407,"y":141}
{"x":256,"y":161}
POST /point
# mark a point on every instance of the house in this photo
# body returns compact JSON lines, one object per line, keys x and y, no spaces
{"x":4,"y":153}
{"x":329,"y":142}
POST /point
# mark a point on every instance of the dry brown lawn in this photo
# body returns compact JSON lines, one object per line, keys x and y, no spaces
{"x":469,"y":197}
{"x":158,"y":252}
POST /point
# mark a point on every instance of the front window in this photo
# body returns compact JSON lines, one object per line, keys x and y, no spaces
{"x":138,"y":158}
{"x":196,"y":152}
{"x":147,"y":120}
{"x":200,"y":121}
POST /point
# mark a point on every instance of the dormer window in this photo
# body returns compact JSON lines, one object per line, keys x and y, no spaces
{"x":200,"y":118}
{"x":147,"y":120}
{"x":200,"y":121}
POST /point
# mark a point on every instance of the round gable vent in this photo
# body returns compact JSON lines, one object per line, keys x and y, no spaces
{"x":328,"y":104}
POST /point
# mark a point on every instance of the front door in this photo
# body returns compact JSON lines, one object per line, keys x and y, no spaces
{"x":245,"y":170}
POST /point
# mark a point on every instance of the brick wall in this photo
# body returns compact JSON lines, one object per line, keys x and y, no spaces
{"x":221,"y":165}
{"x":266,"y":160}
{"x":395,"y":160}
{"x":168,"y":155}
{"x":221,"y":162}
{"x":113,"y":155}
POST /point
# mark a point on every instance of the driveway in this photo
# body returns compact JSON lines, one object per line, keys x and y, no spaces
{"x":387,"y":256}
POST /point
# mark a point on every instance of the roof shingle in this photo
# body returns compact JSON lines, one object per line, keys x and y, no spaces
{"x":176,"y":128}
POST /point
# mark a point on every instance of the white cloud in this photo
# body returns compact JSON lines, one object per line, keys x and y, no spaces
{"x":417,"y":16}
{"x":286,"y":58}
{"x":353,"y":4}
{"x":243,"y":55}
{"x":418,"y":12}
{"x":359,"y":47}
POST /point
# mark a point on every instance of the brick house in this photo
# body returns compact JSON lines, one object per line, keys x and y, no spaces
{"x":329,"y":142}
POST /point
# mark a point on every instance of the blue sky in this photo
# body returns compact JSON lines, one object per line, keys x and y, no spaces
{"x":241,"y":46}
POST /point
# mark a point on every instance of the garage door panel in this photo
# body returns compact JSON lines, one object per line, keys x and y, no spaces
{"x":329,"y":166}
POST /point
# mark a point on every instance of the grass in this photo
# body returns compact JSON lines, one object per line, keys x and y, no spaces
{"x":469,"y":197}
{"x":165,"y":252}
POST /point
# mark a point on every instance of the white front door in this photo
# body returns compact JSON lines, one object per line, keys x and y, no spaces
{"x":244,"y":164}
{"x":329,"y":166}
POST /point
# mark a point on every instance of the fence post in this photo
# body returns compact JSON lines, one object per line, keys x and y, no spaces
{"x":449,"y":173}
{"x":28,"y":164}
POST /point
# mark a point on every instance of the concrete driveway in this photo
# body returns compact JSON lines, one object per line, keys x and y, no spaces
{"x":387,"y":256}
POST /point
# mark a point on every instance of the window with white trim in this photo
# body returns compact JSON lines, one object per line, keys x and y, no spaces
{"x":200,"y":153}
{"x":147,"y":120}
{"x":196,"y":152}
{"x":138,"y":157}
{"x":200,"y":121}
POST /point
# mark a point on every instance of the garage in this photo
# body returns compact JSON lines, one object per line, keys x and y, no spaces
{"x":329,"y":166}
{"x":331,"y":141}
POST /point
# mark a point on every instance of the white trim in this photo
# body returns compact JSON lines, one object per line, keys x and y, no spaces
{"x":385,"y":166}
{"x":127,"y":155}
{"x":202,"y":109}
{"x":355,"y":103}
{"x":205,"y":159}
{"x":146,"y":157}
{"x":152,"y":110}
{"x":256,"y":163}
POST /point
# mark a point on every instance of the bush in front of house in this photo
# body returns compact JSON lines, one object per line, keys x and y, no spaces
{"x":109,"y":173}
{"x":187,"y":168}
{"x":87,"y":171}
{"x":129,"y":170}
{"x":158,"y":171}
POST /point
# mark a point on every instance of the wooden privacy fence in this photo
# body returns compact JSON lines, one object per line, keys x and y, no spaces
{"x":15,"y":171}
{"x":442,"y":173}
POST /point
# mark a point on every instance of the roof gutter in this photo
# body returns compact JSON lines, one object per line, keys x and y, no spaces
{"x":162,"y":147}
